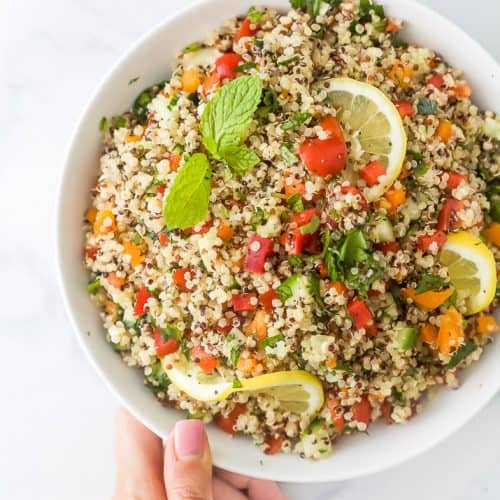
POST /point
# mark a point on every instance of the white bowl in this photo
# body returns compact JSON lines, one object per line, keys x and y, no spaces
{"x":150,"y":58}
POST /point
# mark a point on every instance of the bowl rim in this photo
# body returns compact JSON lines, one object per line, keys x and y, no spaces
{"x":64,"y":285}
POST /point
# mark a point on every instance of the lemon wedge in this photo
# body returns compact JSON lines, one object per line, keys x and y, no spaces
{"x":472,"y":270}
{"x":296,"y":390}
{"x":373,"y":126}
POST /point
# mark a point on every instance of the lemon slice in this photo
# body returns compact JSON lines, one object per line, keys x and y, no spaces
{"x":297,"y":391}
{"x":373,"y":126}
{"x":472,"y":269}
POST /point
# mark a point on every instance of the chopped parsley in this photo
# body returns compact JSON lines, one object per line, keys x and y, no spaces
{"x":311,"y":227}
{"x":272,"y":342}
{"x":295,"y":202}
{"x":296,"y":121}
{"x":430,"y":282}
{"x":462,"y":352}
{"x":254,"y":15}
{"x":268,"y":104}
{"x":289,"y":60}
{"x":245,"y":67}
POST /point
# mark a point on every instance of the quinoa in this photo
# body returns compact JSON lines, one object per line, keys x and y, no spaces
{"x":163,"y":291}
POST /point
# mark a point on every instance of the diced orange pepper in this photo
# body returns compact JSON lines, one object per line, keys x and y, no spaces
{"x":258,"y":326}
{"x":115,"y":281}
{"x":210,"y":83}
{"x":225,"y":232}
{"x":246,"y":364}
{"x":429,"y":334}
{"x":331,"y":363}
{"x":190,"y":80}
{"x":174,"y":160}
{"x":451,"y":333}
{"x":395,"y":197}
{"x":428,"y":300}
{"x":492,"y":232}
{"x":91,"y":214}
{"x":401,"y":74}
{"x":294,"y":186}
{"x":133,"y":138}
{"x":104,"y":222}
{"x":391,"y":26}
{"x":134,"y":251}
{"x":487,"y":325}
{"x":444,"y":130}
{"x":339,"y":287}
{"x":463,"y":90}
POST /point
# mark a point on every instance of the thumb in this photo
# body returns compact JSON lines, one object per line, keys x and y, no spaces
{"x":188,"y":463}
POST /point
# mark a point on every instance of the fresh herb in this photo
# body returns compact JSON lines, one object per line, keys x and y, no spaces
{"x":104,"y":124}
{"x":313,"y":7}
{"x":237,"y":383}
{"x":314,"y":288}
{"x":366,"y":6}
{"x":235,"y":356}
{"x":258,"y":217}
{"x":288,"y":157}
{"x":254,"y":15}
{"x":295,"y":202}
{"x":493,"y":195}
{"x":173,"y":102}
{"x":226,"y":118}
{"x":311,"y":227}
{"x":170,"y":332}
{"x":192,"y":47}
{"x":136,"y":239}
{"x":289,"y":60}
{"x":353,"y":248}
{"x":94,"y":286}
{"x":259,"y":43}
{"x":195,"y":416}
{"x":268,"y":104}
{"x":140,"y":106}
{"x":185,"y":348}
{"x":421,"y":167}
{"x":284,"y":291}
{"x":295,"y":261}
{"x":272,"y":342}
{"x":120,"y":121}
{"x":426,"y":106}
{"x":133,"y":80}
{"x":462,"y":352}
{"x":157,"y":380}
{"x":296,"y":121}
{"x":430,"y":282}
{"x":245,"y":67}
{"x":397,"y":395}
{"x":187,"y":201}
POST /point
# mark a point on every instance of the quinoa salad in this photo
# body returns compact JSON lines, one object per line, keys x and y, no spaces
{"x":296,"y":234}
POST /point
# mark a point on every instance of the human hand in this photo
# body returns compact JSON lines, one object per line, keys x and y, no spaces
{"x":180,"y":470}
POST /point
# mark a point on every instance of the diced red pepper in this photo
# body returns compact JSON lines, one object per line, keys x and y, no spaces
{"x":448,"y":218}
{"x":356,"y":192}
{"x":202,"y":230}
{"x":205,"y":361}
{"x":454,"y":180}
{"x":244,"y":302}
{"x":161,"y":189}
{"x":388,"y":247}
{"x":163,"y":238}
{"x":294,"y":241}
{"x":438,"y":237}
{"x":304,"y":217}
{"x":273,"y":445}
{"x":226,"y":64}
{"x":405,"y":108}
{"x":324,"y":157}
{"x":257,"y":252}
{"x":226,"y":328}
{"x":362,"y":411}
{"x":211,"y":82}
{"x":359,"y":312}
{"x":245,"y":30}
{"x":164,"y":347}
{"x":372,"y":172}
{"x":141,"y":298}
{"x":322,"y":269}
{"x":371,"y":329}
{"x":332,"y":126}
{"x":180,"y":277}
{"x":435,"y":80}
{"x":266,"y":299}
{"x":91,"y":252}
{"x":227,"y":423}
{"x":338,"y":419}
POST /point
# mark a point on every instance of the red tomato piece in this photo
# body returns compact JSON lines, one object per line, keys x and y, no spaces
{"x":227,"y":423}
{"x":164,"y":347}
{"x":246,"y":29}
{"x":372,"y":172}
{"x":161,"y":189}
{"x":163,"y":238}
{"x":205,"y":361}
{"x":294,"y":241}
{"x":224,"y":328}
{"x":359,"y":312}
{"x":226,"y":64}
{"x":325,"y":158}
{"x":436,"y":80}
{"x":362,"y":411}
{"x":454,"y":180}
{"x":244,"y":302}
{"x":210,"y":83}
{"x":304,"y":217}
{"x":332,"y":126}
{"x":388,"y":247}
{"x":448,"y":216}
{"x":91,"y":252}
{"x":141,"y":298}
{"x":181,"y":276}
{"x":273,"y":445}
{"x":356,"y":192}
{"x":202,"y":230}
{"x":405,"y":108}
{"x":266,"y":299}
{"x":338,"y":419}
{"x":257,"y":252}
{"x":438,"y":237}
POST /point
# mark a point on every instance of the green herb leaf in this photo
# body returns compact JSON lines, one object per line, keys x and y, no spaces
{"x":315,"y":289}
{"x":312,"y":226}
{"x":104,"y":124}
{"x":288,"y":157}
{"x":254,"y":15}
{"x":273,"y":341}
{"x":187,"y":201}
{"x":119,"y":122}
{"x":427,"y":106}
{"x":229,"y":113}
{"x":353,"y":248}
{"x":462,"y":352}
{"x":237,"y":383}
{"x":289,"y":60}
{"x":140,"y":106}
{"x":133,"y":80}
{"x":269,"y":103}
{"x":136,"y":239}
{"x":295,"y":261}
{"x":235,"y":356}
{"x":295,"y":122}
{"x":170,"y":332}
{"x":430,"y":282}
{"x":284,"y":292}
{"x":239,"y":158}
{"x":173,"y":102}
{"x":245,"y":67}
{"x":94,"y":286}
{"x":192,"y":47}
{"x":295,"y":202}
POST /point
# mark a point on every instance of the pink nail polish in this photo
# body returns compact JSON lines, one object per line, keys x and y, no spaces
{"x":189,"y":438}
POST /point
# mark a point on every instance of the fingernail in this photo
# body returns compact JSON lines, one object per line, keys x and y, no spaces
{"x":189,"y":438}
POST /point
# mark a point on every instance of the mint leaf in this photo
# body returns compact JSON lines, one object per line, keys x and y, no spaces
{"x":187,"y":201}
{"x":239,"y":158}
{"x":229,"y":113}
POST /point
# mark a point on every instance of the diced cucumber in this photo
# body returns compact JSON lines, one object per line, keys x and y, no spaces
{"x":492,"y":128}
{"x":205,"y":56}
{"x":406,"y":338}
{"x":297,"y":286}
{"x":411,"y":210}
{"x":381,"y":230}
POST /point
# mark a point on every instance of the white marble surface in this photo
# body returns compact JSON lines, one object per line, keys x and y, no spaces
{"x":56,"y":417}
